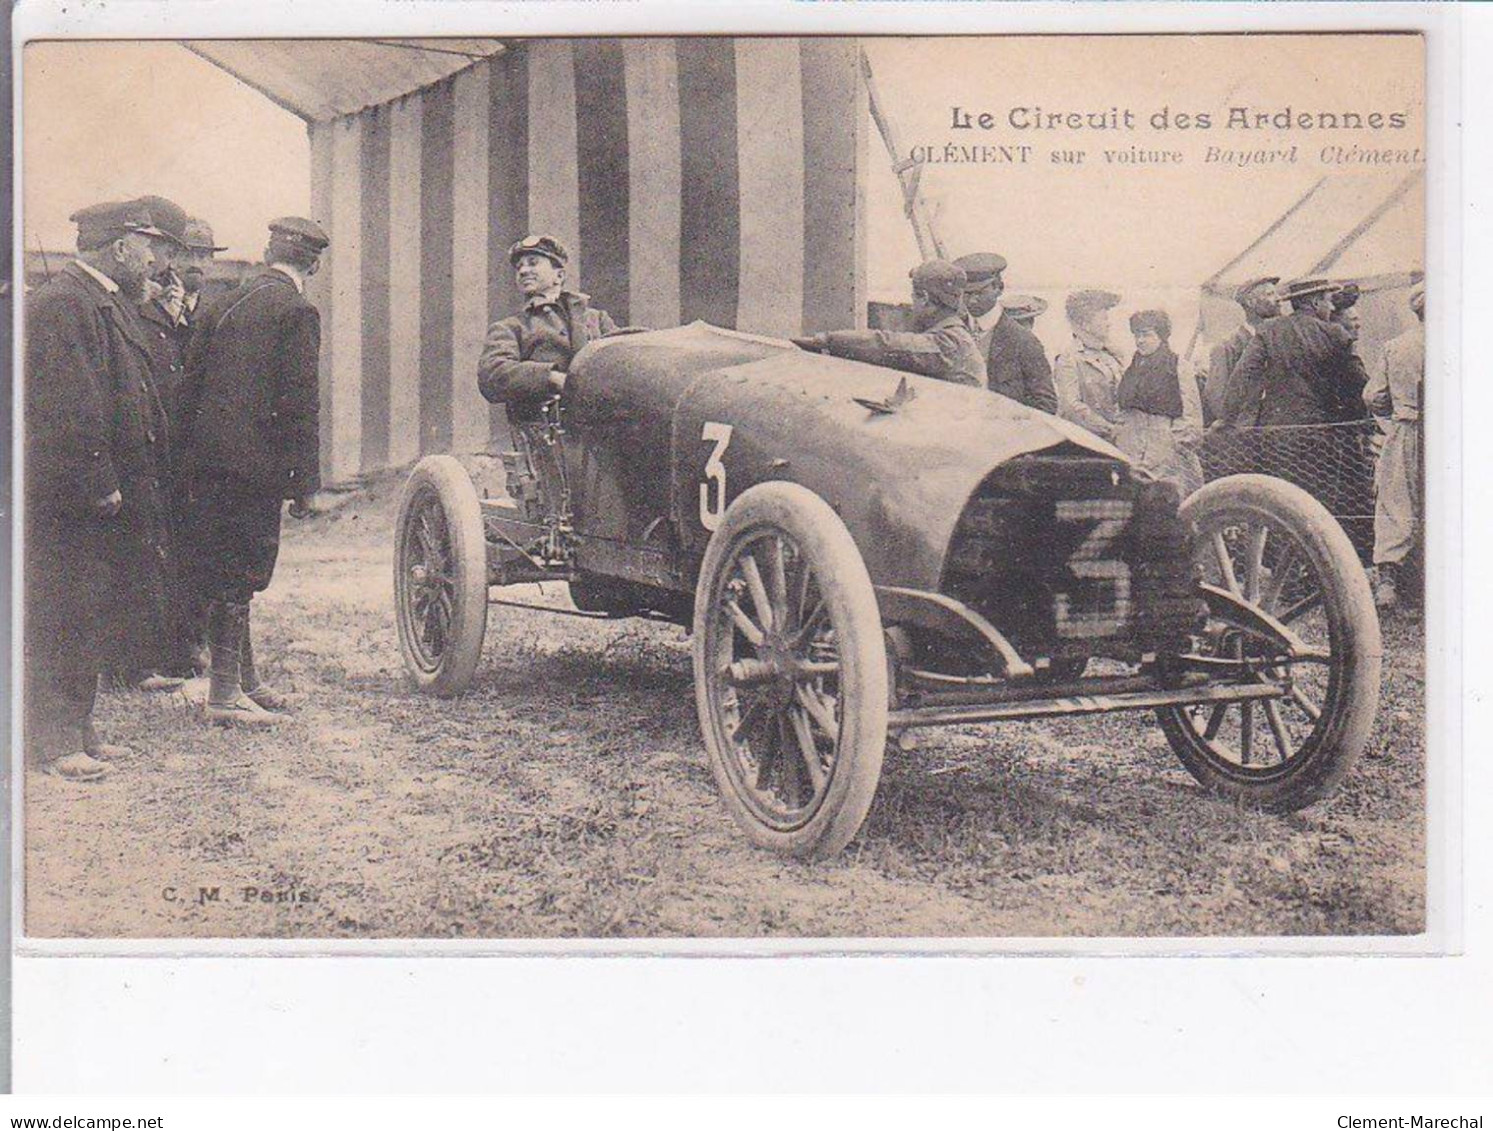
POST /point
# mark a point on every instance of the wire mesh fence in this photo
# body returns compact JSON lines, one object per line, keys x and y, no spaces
{"x":1333,"y":462}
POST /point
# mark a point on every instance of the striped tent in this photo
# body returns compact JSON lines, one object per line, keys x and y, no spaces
{"x":702,"y":178}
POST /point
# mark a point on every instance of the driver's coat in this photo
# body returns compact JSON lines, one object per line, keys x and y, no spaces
{"x":520,"y":350}
{"x":946,"y":350}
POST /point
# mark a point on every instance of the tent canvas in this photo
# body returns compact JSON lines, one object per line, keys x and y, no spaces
{"x":1350,"y":227}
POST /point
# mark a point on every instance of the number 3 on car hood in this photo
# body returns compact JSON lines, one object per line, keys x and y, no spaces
{"x":666,"y":428}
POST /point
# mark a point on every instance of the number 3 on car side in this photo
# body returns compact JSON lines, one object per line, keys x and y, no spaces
{"x":713,"y":503}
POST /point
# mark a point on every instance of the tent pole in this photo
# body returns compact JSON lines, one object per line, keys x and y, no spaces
{"x":1263,"y":236}
{"x":1365,"y":224}
{"x":908,"y":172}
{"x":1212,"y":281}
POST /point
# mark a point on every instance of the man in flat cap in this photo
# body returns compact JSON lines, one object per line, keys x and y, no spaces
{"x":1087,"y":374}
{"x":162,"y":329}
{"x":250,"y":411}
{"x":95,"y":439}
{"x":1345,"y":313}
{"x":170,"y":313}
{"x":1015,"y":364}
{"x":1297,"y":369}
{"x":164,"y":285}
{"x":525,"y":356}
{"x":1394,"y":395}
{"x":942,"y":346}
{"x":1260,"y":302}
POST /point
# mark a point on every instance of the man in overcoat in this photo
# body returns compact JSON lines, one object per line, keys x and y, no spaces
{"x":170,"y":312}
{"x":96,"y":439}
{"x":1394,"y":395}
{"x":251,"y":441}
{"x":1016,"y":366}
{"x":1297,"y":369}
{"x":1300,"y":369}
{"x":1260,"y":302}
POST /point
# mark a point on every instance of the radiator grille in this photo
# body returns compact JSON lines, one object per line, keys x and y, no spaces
{"x":1076,"y":556}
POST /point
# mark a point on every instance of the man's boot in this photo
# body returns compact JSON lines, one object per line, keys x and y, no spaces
{"x":57,"y":749}
{"x":1386,"y":585}
{"x":96,"y":747}
{"x":227,"y":705}
{"x":257,"y":690}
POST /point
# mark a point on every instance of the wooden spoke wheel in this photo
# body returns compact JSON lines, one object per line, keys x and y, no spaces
{"x":440,"y":576}
{"x":1276,"y":547}
{"x":790,"y":671}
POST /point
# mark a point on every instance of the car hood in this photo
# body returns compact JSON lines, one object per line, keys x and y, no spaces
{"x":899,"y":479}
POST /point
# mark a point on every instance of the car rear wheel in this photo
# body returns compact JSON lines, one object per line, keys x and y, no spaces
{"x":1275,"y":546}
{"x":440,"y":576}
{"x":790,"y":671}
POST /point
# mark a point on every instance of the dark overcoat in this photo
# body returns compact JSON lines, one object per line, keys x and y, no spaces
{"x":1222,"y":359}
{"x":250,"y":399}
{"x":1016,"y":366}
{"x":94,"y":424}
{"x":167,"y":339}
{"x":1298,"y":369}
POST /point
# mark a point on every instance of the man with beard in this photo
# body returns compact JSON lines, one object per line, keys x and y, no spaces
{"x":1345,"y":313}
{"x":197,"y":255}
{"x":170,"y":314}
{"x":96,"y":438}
{"x":252,"y":440}
{"x":1015,"y":364}
{"x":1261,"y":302}
{"x":1300,"y":369}
{"x":942,"y":345}
{"x":526,"y":356}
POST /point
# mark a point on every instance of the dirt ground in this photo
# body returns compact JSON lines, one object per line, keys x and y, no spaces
{"x":568,"y":794}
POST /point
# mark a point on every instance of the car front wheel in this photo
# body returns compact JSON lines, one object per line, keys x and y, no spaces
{"x":1275,"y":547}
{"x":790,"y":671}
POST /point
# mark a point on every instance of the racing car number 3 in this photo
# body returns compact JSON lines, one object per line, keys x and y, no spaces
{"x":1106,"y":579}
{"x":713,"y":503}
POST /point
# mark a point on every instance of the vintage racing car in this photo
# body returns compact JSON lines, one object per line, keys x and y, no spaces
{"x":857,"y":552}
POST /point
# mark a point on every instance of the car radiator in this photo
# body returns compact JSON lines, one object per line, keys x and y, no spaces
{"x":1076,"y":555}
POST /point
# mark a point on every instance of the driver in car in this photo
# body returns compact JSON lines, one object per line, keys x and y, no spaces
{"x":525,"y":356}
{"x":942,"y":346}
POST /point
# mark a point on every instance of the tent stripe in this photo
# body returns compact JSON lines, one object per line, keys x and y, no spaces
{"x":554,"y":190}
{"x":375,"y":285}
{"x":508,"y":191}
{"x":319,"y":288}
{"x":469,"y":272}
{"x":770,"y":147}
{"x":834,"y":154}
{"x":347,"y":298}
{"x":741,"y":207}
{"x":405,"y":282}
{"x":602,"y":172}
{"x":653,"y":181}
{"x":709,"y":207}
{"x":437,"y":151}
